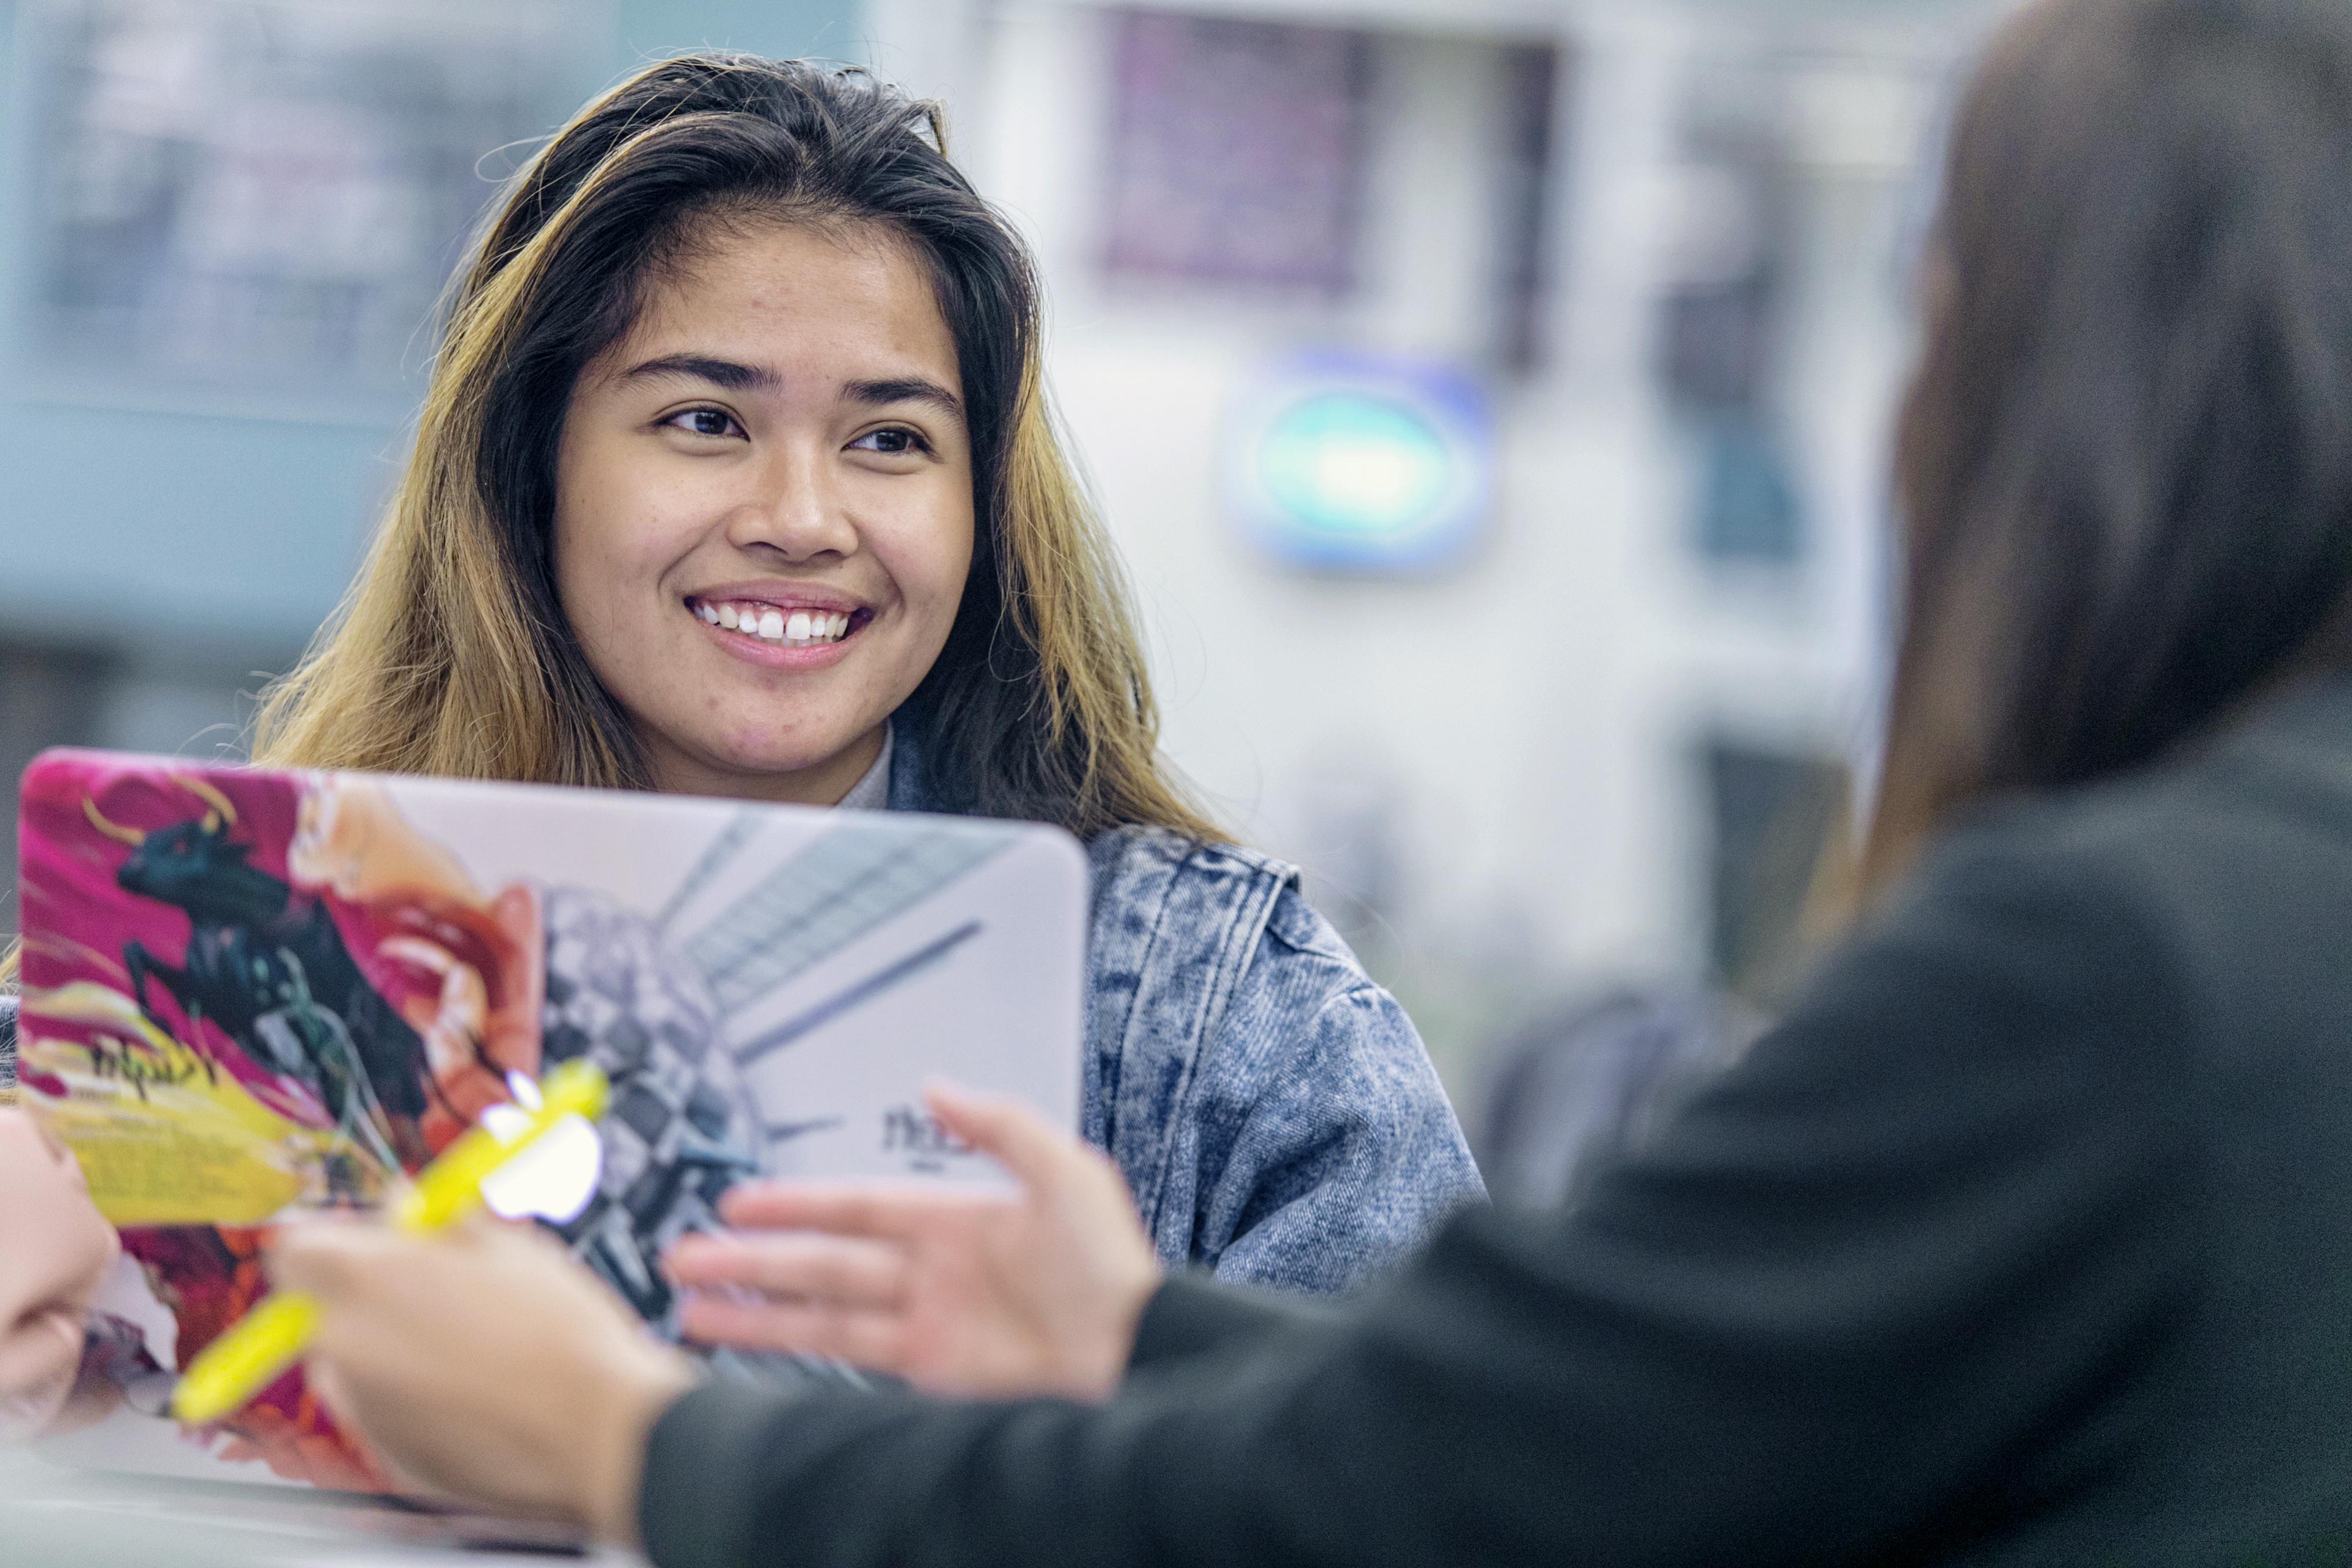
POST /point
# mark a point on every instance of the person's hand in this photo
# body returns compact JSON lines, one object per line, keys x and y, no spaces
{"x":53,"y":1251}
{"x":486,"y":1364}
{"x":956,"y":1292}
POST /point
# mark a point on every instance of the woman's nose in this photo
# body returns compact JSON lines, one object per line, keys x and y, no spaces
{"x":795,"y":512}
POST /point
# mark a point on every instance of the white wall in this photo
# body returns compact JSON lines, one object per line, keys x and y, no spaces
{"x":1520,"y":725}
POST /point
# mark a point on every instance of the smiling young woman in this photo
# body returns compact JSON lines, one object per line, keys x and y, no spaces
{"x":737,"y":478}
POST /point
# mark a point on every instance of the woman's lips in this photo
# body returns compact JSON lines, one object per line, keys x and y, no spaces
{"x":774,"y":638}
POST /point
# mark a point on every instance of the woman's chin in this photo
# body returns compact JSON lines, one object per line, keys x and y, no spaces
{"x":815,"y":773}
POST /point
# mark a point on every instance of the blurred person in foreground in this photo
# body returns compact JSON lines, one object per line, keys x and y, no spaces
{"x":2028,"y":1236}
{"x":54,"y":1251}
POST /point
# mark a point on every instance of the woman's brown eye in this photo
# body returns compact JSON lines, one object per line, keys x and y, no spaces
{"x":710,"y":422}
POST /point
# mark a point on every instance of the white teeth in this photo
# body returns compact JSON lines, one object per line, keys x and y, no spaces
{"x":798,"y":627}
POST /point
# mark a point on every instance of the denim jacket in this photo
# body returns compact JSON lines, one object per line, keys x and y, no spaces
{"x":1273,"y":1109}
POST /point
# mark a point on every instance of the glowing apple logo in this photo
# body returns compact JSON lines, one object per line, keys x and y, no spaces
{"x":555,"y":1177}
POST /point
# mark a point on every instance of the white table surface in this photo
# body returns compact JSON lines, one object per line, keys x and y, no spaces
{"x":54,"y":1518}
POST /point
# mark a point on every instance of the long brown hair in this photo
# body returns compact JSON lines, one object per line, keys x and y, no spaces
{"x":451,"y":654}
{"x":2125,"y":460}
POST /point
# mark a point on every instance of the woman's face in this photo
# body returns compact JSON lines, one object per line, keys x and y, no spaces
{"x":763,"y":511}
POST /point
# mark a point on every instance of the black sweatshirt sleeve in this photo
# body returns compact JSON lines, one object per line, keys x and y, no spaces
{"x":1192,"y":1314}
{"x":1843,"y":1301}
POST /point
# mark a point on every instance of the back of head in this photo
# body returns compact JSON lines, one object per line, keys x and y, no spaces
{"x":2125,"y":463}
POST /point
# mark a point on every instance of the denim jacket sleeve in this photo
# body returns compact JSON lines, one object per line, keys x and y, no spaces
{"x":1271,"y":1107}
{"x":1323,"y":1148}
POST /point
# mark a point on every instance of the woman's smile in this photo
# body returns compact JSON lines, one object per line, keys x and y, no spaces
{"x":781,"y":627}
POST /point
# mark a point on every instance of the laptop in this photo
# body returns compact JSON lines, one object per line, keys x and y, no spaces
{"x":250,"y":994}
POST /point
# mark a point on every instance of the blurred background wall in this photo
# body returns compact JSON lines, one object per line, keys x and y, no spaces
{"x":1490,"y":395}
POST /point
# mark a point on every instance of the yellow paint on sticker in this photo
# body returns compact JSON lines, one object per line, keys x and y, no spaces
{"x":165,"y":1136}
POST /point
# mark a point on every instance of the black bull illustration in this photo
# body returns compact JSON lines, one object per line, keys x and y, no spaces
{"x":269,"y":968}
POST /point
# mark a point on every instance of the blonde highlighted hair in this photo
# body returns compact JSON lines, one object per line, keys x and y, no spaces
{"x":451,"y":654}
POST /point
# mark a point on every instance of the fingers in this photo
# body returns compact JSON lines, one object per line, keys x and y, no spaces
{"x":336,"y":1255}
{"x":322,"y":1377}
{"x":325,"y":1377}
{"x":56,"y":1247}
{"x":329,"y":1259}
{"x":883,"y":1213}
{"x":55,"y":1146}
{"x":100,"y":1246}
{"x":821,"y":1295}
{"x":867,"y":1339}
{"x":482,"y":1279}
{"x":1026,"y":1143}
{"x":89,"y":1248}
{"x":847,"y":1272}
{"x":41,"y":1353}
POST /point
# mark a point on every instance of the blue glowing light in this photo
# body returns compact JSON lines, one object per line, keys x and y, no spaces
{"x":1345,"y":462}
{"x":1357,"y":464}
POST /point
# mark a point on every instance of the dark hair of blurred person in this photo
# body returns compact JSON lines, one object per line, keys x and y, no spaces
{"x":2025,"y":1238}
{"x":2126,"y":461}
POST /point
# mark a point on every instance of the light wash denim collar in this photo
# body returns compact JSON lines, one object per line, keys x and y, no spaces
{"x":907,"y":790}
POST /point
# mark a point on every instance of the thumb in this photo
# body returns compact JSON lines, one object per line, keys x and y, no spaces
{"x":39,"y":1355}
{"x":1031,"y":1148}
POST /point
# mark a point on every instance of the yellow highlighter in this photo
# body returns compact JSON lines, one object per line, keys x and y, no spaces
{"x":272,"y":1337}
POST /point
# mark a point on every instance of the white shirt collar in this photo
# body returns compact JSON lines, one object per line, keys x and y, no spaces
{"x":872,"y":793}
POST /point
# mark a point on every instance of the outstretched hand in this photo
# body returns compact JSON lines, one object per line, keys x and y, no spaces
{"x":960,"y":1293}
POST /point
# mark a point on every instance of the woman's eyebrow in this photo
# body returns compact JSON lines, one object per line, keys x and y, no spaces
{"x":904,"y":389}
{"x":726,"y":372}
